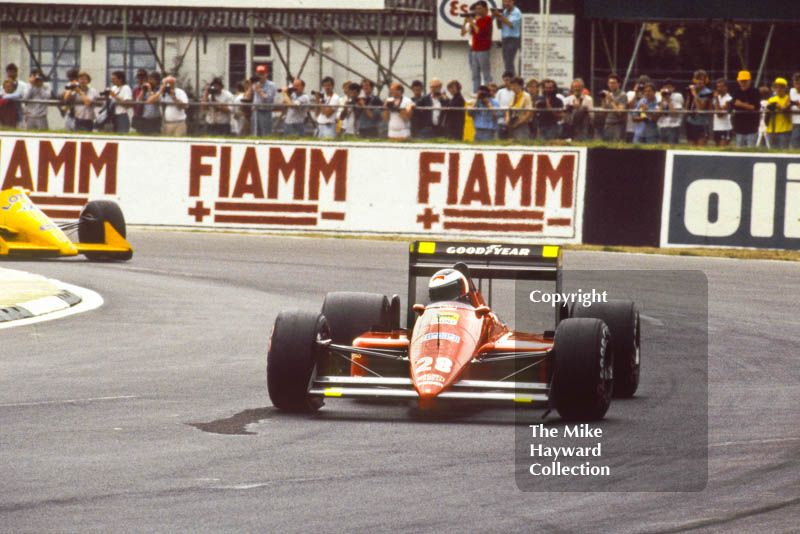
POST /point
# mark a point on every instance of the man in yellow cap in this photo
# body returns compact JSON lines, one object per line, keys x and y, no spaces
{"x":746,"y":104}
{"x":778,"y":118}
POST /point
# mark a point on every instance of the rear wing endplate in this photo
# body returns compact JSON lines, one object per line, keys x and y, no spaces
{"x":492,"y":261}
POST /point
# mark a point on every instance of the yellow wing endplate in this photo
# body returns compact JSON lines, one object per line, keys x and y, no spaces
{"x":115,"y":243}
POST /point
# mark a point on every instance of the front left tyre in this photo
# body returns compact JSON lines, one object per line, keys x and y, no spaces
{"x":582,"y":381}
{"x":292,"y":359}
{"x":91,"y":227}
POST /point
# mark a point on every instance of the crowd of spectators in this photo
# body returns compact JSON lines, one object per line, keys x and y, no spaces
{"x":720,"y":111}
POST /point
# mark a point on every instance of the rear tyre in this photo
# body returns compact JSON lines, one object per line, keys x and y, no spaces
{"x":582,"y":379}
{"x":292,"y":359}
{"x":350,"y":314}
{"x":91,"y":227}
{"x":622,"y":318}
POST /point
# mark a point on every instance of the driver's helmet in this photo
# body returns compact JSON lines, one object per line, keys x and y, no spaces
{"x":448,"y":284}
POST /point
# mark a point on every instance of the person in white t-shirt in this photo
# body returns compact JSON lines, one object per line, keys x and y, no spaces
{"x":325,"y":111}
{"x":174,"y":112}
{"x":723,"y":129}
{"x":123,"y":96}
{"x":347,"y":115}
{"x":398,"y":113}
{"x":794,"y":97}
{"x":669,"y":118}
{"x":505,"y":98}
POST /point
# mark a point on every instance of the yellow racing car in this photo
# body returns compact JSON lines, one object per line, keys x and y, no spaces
{"x":26,"y":231}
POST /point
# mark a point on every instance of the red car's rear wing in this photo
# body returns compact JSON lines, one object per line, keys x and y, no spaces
{"x":491,"y":261}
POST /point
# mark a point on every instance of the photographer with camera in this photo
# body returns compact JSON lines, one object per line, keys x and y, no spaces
{"x":549,"y":109}
{"x":36,"y":113}
{"x":579,"y":111}
{"x":83,"y":96}
{"x":218,"y":116}
{"x":122,"y":95}
{"x":175,"y":102}
{"x":478,"y":24}
{"x":614,"y":99}
{"x":368,"y":118}
{"x":262,"y":93}
{"x":296,"y":111}
{"x":398,"y":110}
{"x":15,"y":92}
{"x":421,"y":124}
{"x":509,"y":22}
{"x":778,"y":117}
{"x":485,"y":115}
{"x":149,"y":123}
{"x":347,"y":116}
{"x":325,"y":110}
{"x":698,"y":99}
{"x":645,"y":120}
{"x":669,"y":122}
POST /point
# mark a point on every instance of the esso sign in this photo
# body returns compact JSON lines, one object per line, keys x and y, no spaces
{"x":450,"y":11}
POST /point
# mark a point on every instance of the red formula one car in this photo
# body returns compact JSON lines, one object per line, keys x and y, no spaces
{"x":455,"y":346}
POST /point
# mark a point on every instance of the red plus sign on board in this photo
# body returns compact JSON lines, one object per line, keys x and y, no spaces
{"x":199,"y":211}
{"x":427,"y":218}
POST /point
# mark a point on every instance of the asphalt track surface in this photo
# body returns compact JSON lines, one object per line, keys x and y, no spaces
{"x":150,"y":414}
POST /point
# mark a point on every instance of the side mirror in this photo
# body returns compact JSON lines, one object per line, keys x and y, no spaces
{"x":419,"y":308}
{"x":482,"y":311}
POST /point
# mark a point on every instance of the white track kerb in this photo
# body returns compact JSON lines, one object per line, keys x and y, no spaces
{"x":63,"y":300}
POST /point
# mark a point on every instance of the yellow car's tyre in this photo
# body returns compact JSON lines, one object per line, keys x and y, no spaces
{"x":91,"y":227}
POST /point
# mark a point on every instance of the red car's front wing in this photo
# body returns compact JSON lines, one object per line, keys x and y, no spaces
{"x":529,"y":393}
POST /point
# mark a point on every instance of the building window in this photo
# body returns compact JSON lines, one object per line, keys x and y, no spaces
{"x":140,"y":56}
{"x":56,"y":54}
{"x":237,"y":64}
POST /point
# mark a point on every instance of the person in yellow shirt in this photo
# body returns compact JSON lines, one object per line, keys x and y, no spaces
{"x":518,"y":120}
{"x":778,"y":118}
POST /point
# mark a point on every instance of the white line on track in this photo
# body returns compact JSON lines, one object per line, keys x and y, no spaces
{"x":651,"y":320}
{"x":89,"y":301}
{"x":68,"y":401}
{"x":752,"y":442}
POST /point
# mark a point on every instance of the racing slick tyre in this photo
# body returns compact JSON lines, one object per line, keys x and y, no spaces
{"x":91,"y":227}
{"x":582,"y":378}
{"x":349,"y":315}
{"x":292,"y":360}
{"x":622,"y":318}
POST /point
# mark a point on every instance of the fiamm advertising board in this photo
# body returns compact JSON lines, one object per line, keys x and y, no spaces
{"x":376,"y":188}
{"x":731,"y":200}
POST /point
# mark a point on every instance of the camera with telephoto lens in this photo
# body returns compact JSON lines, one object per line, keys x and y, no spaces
{"x":72,"y":86}
{"x":390,"y":105}
{"x":105,"y":94}
{"x":290,"y":90}
{"x":772,"y":106}
{"x":471,"y":14}
{"x":213,"y":90}
{"x":167,"y":87}
{"x":665,"y":93}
